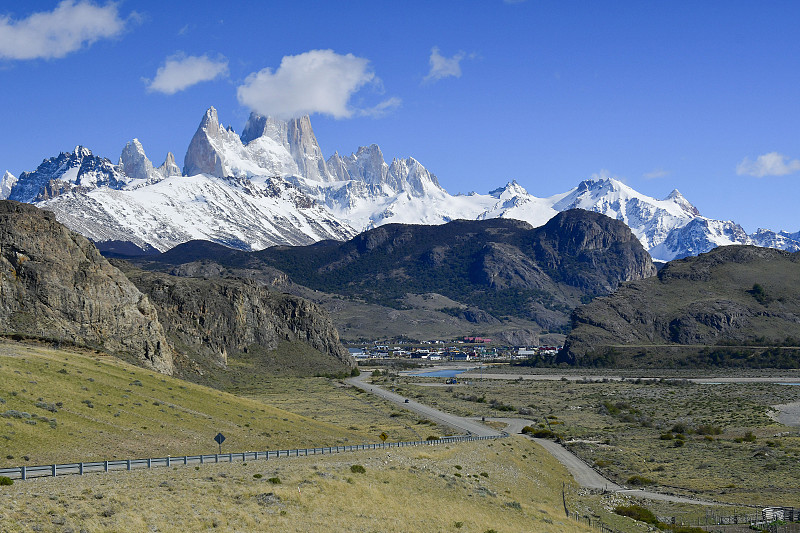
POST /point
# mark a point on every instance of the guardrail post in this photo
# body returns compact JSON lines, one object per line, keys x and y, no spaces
{"x":149,"y":463}
{"x":201,"y":459}
{"x":128,"y":464}
{"x":168,"y":460}
{"x":80,"y":468}
{"x":54,"y":470}
{"x":185,"y":460}
{"x":22,"y":473}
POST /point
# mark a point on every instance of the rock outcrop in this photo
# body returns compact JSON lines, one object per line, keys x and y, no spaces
{"x":54,"y":284}
{"x":217,"y":321}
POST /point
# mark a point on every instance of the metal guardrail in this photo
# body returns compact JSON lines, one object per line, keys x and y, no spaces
{"x":28,"y":472}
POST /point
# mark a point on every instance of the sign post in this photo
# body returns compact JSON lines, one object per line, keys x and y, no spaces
{"x":220,"y":438}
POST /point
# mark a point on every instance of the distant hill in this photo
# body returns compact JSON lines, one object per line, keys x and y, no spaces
{"x":732,"y":306}
{"x":487,"y":271}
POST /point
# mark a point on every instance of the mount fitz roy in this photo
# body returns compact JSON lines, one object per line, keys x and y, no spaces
{"x":271,"y":185}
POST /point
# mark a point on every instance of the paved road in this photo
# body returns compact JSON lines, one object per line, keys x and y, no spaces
{"x":471,"y":427}
{"x":584,"y":475}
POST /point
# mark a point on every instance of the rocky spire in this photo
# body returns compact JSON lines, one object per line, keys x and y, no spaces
{"x":134,"y":163}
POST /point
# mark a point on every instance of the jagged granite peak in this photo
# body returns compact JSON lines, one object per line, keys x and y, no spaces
{"x":55,"y":284}
{"x":6,"y":183}
{"x":134,"y":163}
{"x":78,"y":168}
{"x":169,"y":167}
{"x":219,"y":152}
{"x":296,"y":136}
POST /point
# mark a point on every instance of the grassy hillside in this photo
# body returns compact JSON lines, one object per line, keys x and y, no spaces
{"x":62,"y":406}
{"x":502,"y":486}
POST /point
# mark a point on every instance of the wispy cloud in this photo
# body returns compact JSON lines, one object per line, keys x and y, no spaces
{"x":317,"y":81}
{"x":181,"y":72}
{"x":443,"y":67}
{"x":655,"y":174}
{"x":771,"y":164}
{"x":54,"y":34}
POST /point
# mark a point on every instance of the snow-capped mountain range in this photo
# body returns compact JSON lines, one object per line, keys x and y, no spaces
{"x":271,"y":185}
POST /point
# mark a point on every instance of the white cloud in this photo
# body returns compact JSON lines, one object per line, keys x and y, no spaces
{"x":655,"y":174}
{"x":444,"y":67}
{"x":181,"y":72}
{"x":771,"y":164}
{"x":52,"y":34}
{"x":317,"y":81}
{"x":382,"y":108}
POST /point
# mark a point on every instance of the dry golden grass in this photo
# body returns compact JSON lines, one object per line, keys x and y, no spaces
{"x":82,"y":406}
{"x":618,"y":425}
{"x":511,"y":485}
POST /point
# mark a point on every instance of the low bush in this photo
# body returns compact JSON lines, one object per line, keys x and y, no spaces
{"x":708,"y":429}
{"x":4,"y":480}
{"x":638,"y":481}
{"x":358,"y":469}
{"x":637,"y":512}
{"x":275,"y":480}
{"x":539,"y":433}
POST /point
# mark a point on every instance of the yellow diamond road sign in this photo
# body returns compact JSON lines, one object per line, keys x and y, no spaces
{"x":383,"y":436}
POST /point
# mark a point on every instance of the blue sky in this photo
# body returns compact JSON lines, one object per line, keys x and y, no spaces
{"x":699,"y":96}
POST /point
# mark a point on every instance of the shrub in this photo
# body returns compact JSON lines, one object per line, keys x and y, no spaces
{"x":358,"y":469}
{"x":708,"y":429}
{"x":257,"y":476}
{"x":637,"y":512}
{"x":638,"y":480}
{"x":680,"y":427}
{"x":749,"y":437}
{"x":539,"y":433}
{"x":678,"y":443}
{"x":432,"y":437}
{"x":4,"y":480}
{"x":666,"y":436}
{"x":275,"y":480}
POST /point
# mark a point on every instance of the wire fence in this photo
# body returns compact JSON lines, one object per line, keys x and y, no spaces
{"x":28,"y":472}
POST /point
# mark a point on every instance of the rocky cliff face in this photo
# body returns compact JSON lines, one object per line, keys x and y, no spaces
{"x":731,"y":295}
{"x":55,"y":284}
{"x":218,"y":321}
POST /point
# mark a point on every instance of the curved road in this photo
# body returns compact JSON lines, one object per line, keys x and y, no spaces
{"x":584,"y":475}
